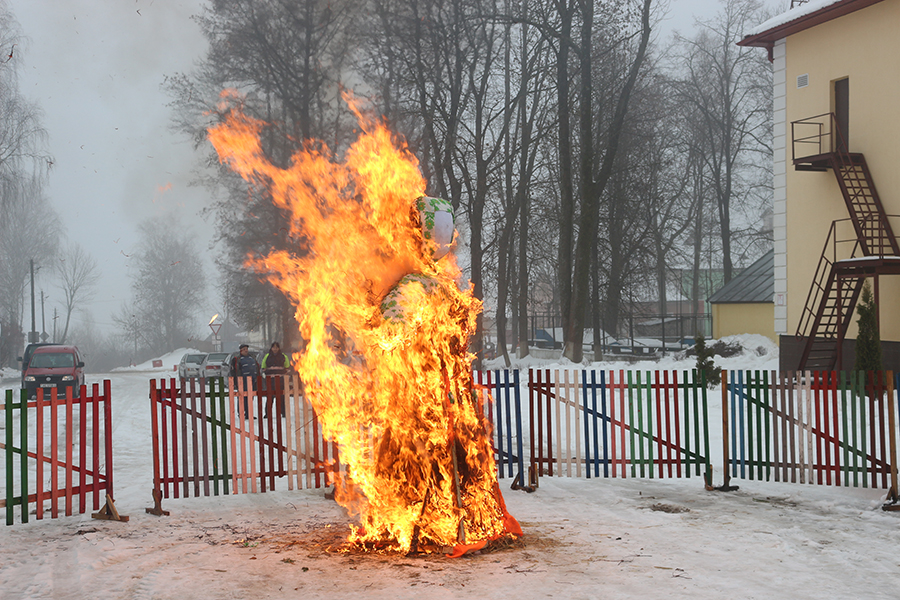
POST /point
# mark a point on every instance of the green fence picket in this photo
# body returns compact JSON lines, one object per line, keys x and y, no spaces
{"x":8,"y":421}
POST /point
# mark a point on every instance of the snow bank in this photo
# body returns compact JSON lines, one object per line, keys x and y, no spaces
{"x":756,"y":352}
{"x":169,"y":362}
{"x":8,"y":373}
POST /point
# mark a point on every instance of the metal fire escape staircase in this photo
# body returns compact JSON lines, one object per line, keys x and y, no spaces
{"x":861,"y":246}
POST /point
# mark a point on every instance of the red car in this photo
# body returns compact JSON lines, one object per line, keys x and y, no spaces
{"x":57,"y":367}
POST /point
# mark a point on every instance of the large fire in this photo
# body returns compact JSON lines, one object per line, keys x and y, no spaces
{"x":386,"y":364}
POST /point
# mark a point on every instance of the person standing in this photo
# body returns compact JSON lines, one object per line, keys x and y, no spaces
{"x":245,"y":366}
{"x":275,"y":363}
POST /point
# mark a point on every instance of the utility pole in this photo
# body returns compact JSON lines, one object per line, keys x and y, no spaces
{"x":44,"y":335}
{"x":33,"y":334}
{"x":55,"y":317}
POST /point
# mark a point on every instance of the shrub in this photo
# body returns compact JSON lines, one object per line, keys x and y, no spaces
{"x":868,"y":340}
{"x":705,"y":362}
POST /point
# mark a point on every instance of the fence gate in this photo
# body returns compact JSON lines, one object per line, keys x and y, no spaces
{"x":616,"y":424}
{"x":210,"y":438}
{"x":825,"y":428}
{"x":56,"y":450}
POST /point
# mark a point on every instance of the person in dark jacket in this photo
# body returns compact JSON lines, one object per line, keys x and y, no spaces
{"x":245,"y":366}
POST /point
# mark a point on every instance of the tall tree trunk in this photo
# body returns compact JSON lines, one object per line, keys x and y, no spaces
{"x":566,"y":175}
{"x":592,"y":187}
{"x":503,"y":249}
{"x":596,"y":324}
{"x":695,"y":267}
{"x":522,"y":347}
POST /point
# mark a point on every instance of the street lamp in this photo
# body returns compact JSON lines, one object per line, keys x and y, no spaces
{"x":217,"y":344}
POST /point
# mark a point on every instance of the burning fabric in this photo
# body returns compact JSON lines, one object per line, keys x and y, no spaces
{"x":387,"y":326}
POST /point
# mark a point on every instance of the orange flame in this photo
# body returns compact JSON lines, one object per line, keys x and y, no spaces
{"x":395,"y":394}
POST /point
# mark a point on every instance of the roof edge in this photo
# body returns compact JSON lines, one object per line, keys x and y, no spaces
{"x":768,"y":37}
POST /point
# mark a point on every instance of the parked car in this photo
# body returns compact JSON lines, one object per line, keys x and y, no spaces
{"x":26,"y":357}
{"x":190,"y":365}
{"x":54,"y":366}
{"x":217,"y":364}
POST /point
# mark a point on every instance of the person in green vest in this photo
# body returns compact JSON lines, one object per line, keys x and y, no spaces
{"x":275,"y":362}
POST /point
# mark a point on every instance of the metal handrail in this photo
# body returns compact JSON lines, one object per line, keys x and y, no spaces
{"x":826,"y":130}
{"x":838,"y":246}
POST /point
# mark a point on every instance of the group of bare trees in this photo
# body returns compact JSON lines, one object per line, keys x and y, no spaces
{"x":168,"y":285}
{"x":24,"y":210}
{"x":30,"y":229}
{"x":587,"y":160}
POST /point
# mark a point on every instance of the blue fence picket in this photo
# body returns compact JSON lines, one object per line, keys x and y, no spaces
{"x":508,"y":393}
{"x":504,"y":411}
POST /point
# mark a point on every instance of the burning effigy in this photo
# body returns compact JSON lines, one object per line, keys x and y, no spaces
{"x":383,"y":307}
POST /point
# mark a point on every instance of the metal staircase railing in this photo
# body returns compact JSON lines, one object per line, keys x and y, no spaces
{"x":837,"y":247}
{"x":873,"y":229}
{"x":831,"y":299}
{"x":835,"y":288}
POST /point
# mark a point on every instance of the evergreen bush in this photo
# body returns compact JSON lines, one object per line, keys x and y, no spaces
{"x":705,"y":362}
{"x":868,"y":340}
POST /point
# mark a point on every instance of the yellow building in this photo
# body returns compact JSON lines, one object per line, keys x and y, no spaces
{"x":836,"y":174}
{"x":744,"y":304}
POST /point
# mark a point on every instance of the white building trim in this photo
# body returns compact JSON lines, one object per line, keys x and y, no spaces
{"x":779,"y":183}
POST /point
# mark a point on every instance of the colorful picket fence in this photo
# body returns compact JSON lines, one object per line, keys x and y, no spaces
{"x":215,"y":437}
{"x":57,"y":450}
{"x":618,"y":424}
{"x":212,"y":437}
{"x":824,"y":428}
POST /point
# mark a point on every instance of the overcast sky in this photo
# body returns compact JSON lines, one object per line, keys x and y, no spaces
{"x":95,"y":67}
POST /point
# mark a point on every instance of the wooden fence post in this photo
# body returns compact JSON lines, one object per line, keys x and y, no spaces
{"x":892,"y":404}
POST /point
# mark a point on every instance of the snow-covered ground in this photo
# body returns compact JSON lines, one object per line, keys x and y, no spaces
{"x":598,"y":538}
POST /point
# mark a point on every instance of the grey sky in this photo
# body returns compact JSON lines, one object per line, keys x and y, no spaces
{"x":95,"y":67}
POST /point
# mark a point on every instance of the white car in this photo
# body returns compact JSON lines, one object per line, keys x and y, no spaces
{"x":190,"y":366}
{"x":217,"y":364}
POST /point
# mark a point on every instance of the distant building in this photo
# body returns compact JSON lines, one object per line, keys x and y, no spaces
{"x":745,"y":304}
{"x":836,"y":177}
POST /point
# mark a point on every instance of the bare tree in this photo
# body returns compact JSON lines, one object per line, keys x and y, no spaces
{"x":78,"y":274}
{"x":596,"y":162}
{"x":22,"y":137}
{"x":169,"y":286}
{"x":130,"y":330}
{"x":529,"y":112}
{"x":28,"y":232}
{"x":28,"y":226}
{"x":287,"y":61}
{"x":726,"y":91}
